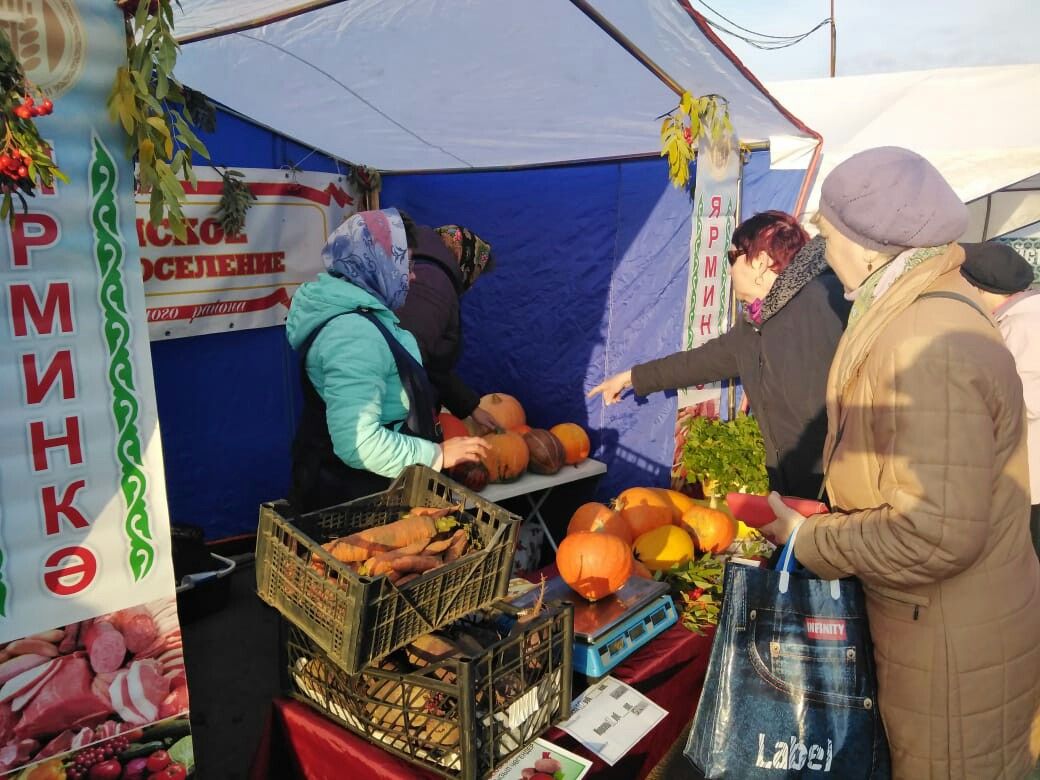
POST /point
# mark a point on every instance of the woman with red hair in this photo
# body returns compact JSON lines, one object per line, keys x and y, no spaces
{"x":781,"y":349}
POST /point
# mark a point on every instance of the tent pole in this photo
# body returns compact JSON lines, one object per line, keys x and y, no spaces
{"x":622,"y":40}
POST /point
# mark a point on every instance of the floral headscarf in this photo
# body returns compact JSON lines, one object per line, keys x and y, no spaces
{"x":471,"y":252}
{"x":370,"y":249}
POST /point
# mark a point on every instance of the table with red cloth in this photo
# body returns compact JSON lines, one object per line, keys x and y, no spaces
{"x":298,"y":742}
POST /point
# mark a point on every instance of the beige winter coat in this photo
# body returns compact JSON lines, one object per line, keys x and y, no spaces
{"x":927,"y":434}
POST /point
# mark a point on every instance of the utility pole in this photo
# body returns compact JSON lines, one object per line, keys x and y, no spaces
{"x":834,"y":40}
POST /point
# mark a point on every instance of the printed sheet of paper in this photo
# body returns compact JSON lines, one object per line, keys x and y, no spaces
{"x":542,"y":756}
{"x":610,"y":717}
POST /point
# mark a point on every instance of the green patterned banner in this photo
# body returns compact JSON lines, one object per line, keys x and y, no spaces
{"x":111,"y":256}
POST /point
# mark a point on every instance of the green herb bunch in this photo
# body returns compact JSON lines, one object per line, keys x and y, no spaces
{"x":725,"y":457}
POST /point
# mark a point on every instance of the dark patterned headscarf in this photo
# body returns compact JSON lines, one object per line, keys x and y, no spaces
{"x":471,"y":252}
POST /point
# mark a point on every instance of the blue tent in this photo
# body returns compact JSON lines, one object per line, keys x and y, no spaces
{"x":592,"y":256}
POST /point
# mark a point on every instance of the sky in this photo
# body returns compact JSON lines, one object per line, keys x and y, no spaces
{"x":878,"y":36}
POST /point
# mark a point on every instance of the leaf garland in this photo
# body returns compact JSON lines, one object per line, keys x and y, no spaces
{"x":684,"y":125}
{"x":25,"y":158}
{"x":235,"y":200}
{"x":157,"y":111}
{"x":698,"y":587}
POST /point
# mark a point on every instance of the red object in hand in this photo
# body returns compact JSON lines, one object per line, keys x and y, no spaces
{"x":755,"y":511}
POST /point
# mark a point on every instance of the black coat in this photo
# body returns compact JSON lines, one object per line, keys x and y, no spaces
{"x":783,"y":367}
{"x":431,"y":314}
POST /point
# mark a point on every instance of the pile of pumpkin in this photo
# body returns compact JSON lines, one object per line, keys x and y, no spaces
{"x":516,"y":447}
{"x":645,"y":530}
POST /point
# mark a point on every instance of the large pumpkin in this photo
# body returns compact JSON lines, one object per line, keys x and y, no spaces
{"x":575,"y":441}
{"x":451,"y":426}
{"x":645,"y":517}
{"x":506,"y":410}
{"x":547,"y":455}
{"x":599,"y":518}
{"x":664,"y":547}
{"x":594,"y":565}
{"x":712,"y":529}
{"x":508,"y":456}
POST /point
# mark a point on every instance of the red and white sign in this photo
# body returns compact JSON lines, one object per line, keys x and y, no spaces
{"x":825,"y":629}
{"x":213,"y":283}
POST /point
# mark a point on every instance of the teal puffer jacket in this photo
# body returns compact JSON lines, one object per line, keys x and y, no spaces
{"x":353,"y":370}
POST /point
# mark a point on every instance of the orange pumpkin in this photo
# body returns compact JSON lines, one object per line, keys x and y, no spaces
{"x":594,"y":565}
{"x":508,"y":456}
{"x":712,"y":529}
{"x":452,"y":426}
{"x":523,"y":430}
{"x":645,"y":496}
{"x":599,"y":518}
{"x":642,"y":518}
{"x":681,"y":503}
{"x":575,"y":441}
{"x":506,"y":410}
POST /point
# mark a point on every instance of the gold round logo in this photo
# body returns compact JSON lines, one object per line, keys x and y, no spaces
{"x":48,"y":39}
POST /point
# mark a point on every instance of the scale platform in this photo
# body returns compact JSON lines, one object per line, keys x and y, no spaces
{"x":611,"y":629}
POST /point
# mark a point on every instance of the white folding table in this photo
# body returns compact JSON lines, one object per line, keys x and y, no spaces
{"x":535,"y":488}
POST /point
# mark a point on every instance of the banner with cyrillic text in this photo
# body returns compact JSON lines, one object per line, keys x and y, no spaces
{"x":715,"y":214}
{"x":210,"y":282}
{"x":91,"y":661}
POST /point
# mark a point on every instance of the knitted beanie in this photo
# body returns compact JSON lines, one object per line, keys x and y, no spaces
{"x":889,"y":197}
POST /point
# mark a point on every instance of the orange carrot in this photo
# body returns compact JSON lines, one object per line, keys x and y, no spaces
{"x":458,"y":546}
{"x":380,"y":564}
{"x":420,"y":563}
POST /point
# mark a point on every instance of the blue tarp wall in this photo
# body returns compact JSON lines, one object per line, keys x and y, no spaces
{"x":590,"y":280}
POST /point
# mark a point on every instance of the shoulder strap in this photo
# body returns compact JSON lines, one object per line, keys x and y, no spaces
{"x":421,"y":420}
{"x":955,"y":297}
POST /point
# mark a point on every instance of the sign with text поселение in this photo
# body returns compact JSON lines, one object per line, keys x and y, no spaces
{"x":210,"y":282}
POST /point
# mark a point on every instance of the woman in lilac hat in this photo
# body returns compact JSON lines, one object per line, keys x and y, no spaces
{"x":926,"y":469}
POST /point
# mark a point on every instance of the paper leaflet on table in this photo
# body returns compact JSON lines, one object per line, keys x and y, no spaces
{"x":610,"y":717}
{"x":541,"y":756}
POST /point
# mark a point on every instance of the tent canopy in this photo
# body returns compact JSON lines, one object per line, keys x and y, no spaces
{"x":979,"y":126}
{"x":460,"y":84}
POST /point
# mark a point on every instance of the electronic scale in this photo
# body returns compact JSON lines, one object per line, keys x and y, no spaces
{"x":611,"y":629}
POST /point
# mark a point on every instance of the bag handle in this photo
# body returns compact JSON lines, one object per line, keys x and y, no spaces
{"x":787,"y":562}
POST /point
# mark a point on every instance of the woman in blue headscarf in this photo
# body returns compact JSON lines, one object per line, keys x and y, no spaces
{"x":368,"y":409}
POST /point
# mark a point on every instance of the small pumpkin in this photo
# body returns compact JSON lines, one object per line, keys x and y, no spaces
{"x":575,"y":441}
{"x":664,"y":547}
{"x":713,"y":529}
{"x":599,"y":518}
{"x":506,"y":410}
{"x":645,"y":496}
{"x":680,"y":502}
{"x":451,"y":426}
{"x":642,"y":518}
{"x":523,"y":430}
{"x":508,"y":456}
{"x":594,"y":565}
{"x":472,"y":474}
{"x":547,"y":454}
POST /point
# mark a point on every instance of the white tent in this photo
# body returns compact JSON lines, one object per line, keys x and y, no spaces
{"x":463,"y":84}
{"x":979,"y":126}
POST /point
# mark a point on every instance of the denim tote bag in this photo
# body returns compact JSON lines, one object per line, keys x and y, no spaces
{"x":791,"y":689}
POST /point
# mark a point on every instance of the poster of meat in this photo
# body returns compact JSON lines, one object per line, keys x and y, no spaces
{"x":90,"y":650}
{"x":67,"y":688}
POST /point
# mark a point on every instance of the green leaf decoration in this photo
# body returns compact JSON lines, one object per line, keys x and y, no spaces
{"x":235,"y":200}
